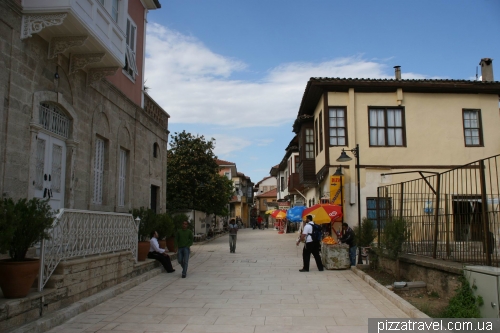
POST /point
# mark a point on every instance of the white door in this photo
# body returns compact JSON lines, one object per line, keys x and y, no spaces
{"x":50,"y":170}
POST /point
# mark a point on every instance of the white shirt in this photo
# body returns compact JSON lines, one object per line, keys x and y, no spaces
{"x":308,"y":229}
{"x":154,"y":246}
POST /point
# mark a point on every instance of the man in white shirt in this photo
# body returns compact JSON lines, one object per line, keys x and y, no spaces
{"x":155,"y":252}
{"x":233,"y":231}
{"x":310,"y":246}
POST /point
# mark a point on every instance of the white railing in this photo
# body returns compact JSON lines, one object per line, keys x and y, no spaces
{"x":81,"y":233}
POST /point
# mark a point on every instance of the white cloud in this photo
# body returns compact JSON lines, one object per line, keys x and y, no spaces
{"x":225,"y":145}
{"x":193,"y":84}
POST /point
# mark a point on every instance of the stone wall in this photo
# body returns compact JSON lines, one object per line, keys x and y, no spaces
{"x":439,"y":275}
{"x":95,"y":110}
{"x":72,"y":281}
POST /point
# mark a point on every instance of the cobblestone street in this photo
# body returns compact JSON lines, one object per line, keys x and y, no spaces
{"x":257,"y":289}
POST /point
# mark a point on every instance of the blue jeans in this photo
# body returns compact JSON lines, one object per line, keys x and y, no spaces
{"x":352,"y":255}
{"x":183,"y":258}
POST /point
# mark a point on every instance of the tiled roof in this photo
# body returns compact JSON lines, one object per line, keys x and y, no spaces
{"x":222,"y":162}
{"x":268,"y":194}
{"x":316,"y":86}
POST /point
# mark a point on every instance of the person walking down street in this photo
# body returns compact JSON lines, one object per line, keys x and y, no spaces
{"x":184,"y":240}
{"x":310,"y":247}
{"x":233,"y":231}
{"x":259,"y":222}
{"x":349,"y":239}
{"x":155,"y":252}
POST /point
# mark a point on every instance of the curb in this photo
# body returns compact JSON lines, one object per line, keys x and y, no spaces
{"x":62,"y":315}
{"x":402,"y":304}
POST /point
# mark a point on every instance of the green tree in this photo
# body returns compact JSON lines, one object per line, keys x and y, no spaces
{"x":193,"y":180}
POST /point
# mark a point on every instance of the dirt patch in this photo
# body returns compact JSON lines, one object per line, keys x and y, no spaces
{"x":429,"y":303}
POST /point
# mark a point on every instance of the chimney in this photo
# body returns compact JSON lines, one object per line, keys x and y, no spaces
{"x":397,"y":72}
{"x":487,"y":69}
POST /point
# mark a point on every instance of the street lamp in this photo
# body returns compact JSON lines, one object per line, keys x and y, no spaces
{"x":345,"y":158}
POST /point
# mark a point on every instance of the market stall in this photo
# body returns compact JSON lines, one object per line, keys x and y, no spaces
{"x":334,"y":255}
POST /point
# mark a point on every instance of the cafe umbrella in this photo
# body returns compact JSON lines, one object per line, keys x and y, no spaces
{"x":294,"y":214}
{"x":323,"y":213}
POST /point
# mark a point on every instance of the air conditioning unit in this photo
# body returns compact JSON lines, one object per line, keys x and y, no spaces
{"x":486,"y":280}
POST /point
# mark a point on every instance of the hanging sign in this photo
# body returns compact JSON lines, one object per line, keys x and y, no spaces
{"x":336,"y":190}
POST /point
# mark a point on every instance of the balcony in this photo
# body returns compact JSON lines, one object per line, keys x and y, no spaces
{"x":294,"y":183}
{"x":91,"y":32}
{"x":307,"y":174}
{"x":156,"y":112}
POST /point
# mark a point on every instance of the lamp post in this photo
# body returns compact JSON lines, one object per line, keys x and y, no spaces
{"x":345,"y":158}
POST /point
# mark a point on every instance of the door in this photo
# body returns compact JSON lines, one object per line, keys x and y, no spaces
{"x":50,"y":170}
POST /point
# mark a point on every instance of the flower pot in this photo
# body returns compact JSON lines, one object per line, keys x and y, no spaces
{"x":17,"y":277}
{"x":142,"y":251}
{"x":171,"y":244}
{"x":163,"y":244}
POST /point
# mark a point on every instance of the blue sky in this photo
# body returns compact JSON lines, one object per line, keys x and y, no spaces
{"x":236,"y":70}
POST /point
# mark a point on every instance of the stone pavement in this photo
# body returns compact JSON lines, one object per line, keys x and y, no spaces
{"x":258,"y":289}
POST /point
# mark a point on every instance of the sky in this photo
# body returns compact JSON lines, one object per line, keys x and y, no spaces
{"x":236,"y":70}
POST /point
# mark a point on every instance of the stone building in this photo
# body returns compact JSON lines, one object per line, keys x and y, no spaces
{"x":76,"y":125}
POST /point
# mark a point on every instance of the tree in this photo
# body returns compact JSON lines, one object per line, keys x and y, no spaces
{"x":193,"y":180}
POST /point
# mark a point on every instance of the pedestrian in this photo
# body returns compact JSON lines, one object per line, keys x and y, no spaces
{"x":184,"y":240}
{"x":259,"y":222}
{"x":233,"y":231}
{"x":310,"y":247}
{"x":349,"y":239}
{"x":155,"y":252}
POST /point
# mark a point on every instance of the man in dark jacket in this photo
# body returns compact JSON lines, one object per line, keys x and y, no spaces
{"x":349,"y":239}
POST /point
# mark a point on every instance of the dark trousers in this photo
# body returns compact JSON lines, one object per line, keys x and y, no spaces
{"x":311,"y":248}
{"x":164,"y":260}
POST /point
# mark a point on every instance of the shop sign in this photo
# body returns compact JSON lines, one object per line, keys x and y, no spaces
{"x":336,"y":189}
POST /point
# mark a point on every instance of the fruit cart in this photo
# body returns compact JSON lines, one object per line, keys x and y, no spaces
{"x":334,"y":255}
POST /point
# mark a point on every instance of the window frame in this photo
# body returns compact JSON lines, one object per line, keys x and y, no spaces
{"x":480,"y":128}
{"x":99,"y":171}
{"x":296,"y":160}
{"x":309,"y":145}
{"x":403,"y":127}
{"x":337,"y":108}
{"x":122,"y":176}
{"x":378,"y":209}
{"x":320,"y":131}
{"x":130,"y":67}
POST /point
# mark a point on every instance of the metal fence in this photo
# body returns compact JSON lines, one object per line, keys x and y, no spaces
{"x":81,"y":233}
{"x":453,"y":215}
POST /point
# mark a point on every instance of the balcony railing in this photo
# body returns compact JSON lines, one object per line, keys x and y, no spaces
{"x":155,"y":111}
{"x":80,"y":233}
{"x":85,"y":26}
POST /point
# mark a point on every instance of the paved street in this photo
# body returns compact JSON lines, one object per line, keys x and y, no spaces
{"x":257,"y":289}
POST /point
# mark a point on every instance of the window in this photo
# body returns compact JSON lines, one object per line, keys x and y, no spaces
{"x":155,"y":150}
{"x":337,"y":125}
{"x":378,"y":210}
{"x":130,"y":63}
{"x":154,"y":198}
{"x":98,"y":171}
{"x":264,"y":188}
{"x":228,"y":175}
{"x":114,"y":10}
{"x":309,"y":143}
{"x":472,"y":128}
{"x":282,"y":183}
{"x":316,"y":136}
{"x":387,"y":127}
{"x":122,"y":178}
{"x":297,"y":161}
{"x":321,"y":131}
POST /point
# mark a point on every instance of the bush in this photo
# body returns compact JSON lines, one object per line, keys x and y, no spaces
{"x":464,"y":304}
{"x":395,"y":233}
{"x":148,"y":222}
{"x":23,"y":224}
{"x":365,"y":237}
{"x":164,"y":226}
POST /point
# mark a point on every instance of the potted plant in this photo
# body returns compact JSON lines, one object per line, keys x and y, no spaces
{"x":22,"y":224}
{"x":165,"y":228}
{"x":146,"y":225}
